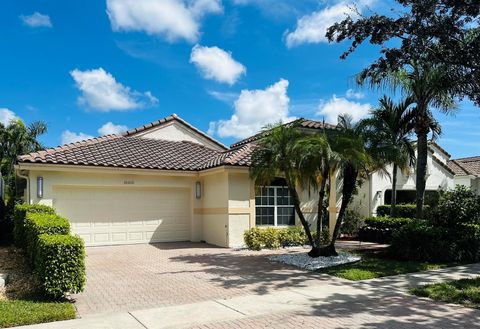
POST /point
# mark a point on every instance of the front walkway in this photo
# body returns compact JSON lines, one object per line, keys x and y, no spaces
{"x":379,"y":303}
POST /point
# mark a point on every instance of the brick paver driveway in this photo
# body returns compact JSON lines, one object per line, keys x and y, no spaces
{"x":126,"y":278}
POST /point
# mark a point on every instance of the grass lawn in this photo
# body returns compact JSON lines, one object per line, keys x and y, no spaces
{"x":24,"y":312}
{"x":21,"y":303}
{"x":372,"y":266}
{"x":465,"y":292}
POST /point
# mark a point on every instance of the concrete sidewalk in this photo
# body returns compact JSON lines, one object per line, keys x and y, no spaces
{"x":240,"y":311}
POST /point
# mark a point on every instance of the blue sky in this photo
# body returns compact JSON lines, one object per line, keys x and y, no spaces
{"x":227,"y":66}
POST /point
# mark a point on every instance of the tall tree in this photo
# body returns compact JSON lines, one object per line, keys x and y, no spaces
{"x":423,"y":84}
{"x":316,"y":163}
{"x":274,"y":156}
{"x":440,"y":32}
{"x":390,"y":127}
{"x":348,"y":141}
{"x":17,"y":139}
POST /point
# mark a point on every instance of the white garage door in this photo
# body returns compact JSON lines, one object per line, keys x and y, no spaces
{"x":106,"y":216}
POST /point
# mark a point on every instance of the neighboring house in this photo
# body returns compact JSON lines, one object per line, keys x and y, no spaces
{"x":168,"y":181}
{"x":377,"y":190}
{"x":467,"y":172}
{"x":165,"y":181}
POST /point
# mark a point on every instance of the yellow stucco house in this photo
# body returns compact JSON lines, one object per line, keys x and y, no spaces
{"x":164,"y":181}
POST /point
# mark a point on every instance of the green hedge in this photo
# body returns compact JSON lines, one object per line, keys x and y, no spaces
{"x":380,"y":229}
{"x":403,"y":210}
{"x":60,"y":264}
{"x":42,"y":223}
{"x":19,"y":215}
{"x":258,"y":238}
{"x":450,"y":234}
{"x":389,"y":223}
{"x":57,"y":257}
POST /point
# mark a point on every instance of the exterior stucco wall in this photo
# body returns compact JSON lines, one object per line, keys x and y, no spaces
{"x":214,"y":204}
{"x":372,"y":193}
{"x":174,"y":131}
{"x":471,"y":182}
{"x":56,"y":182}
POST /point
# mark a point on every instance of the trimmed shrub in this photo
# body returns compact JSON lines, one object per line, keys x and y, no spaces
{"x":324,"y":239}
{"x":19,"y":215}
{"x":253,"y":238}
{"x":420,"y":240}
{"x":37,"y":224}
{"x":352,"y":223}
{"x":380,"y":229}
{"x":391,"y":223}
{"x":403,"y":210}
{"x":60,"y":264}
{"x":451,"y":234}
{"x":461,"y":206}
{"x":257,"y":238}
{"x":270,"y":238}
{"x":292,"y":236}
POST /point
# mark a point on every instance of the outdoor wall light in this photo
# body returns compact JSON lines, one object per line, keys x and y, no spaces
{"x":40,"y":187}
{"x":198,"y":190}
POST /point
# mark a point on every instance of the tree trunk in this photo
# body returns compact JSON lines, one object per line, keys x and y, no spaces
{"x":315,"y":252}
{"x":298,"y":210}
{"x":393,"y":203}
{"x":422,"y":153}
{"x":349,"y":180}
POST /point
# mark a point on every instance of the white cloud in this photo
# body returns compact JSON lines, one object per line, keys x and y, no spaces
{"x":6,"y":116}
{"x":354,"y":94}
{"x":253,"y":110}
{"x":224,"y":96}
{"x":71,"y":137}
{"x":216,"y":64}
{"x":100,"y":91}
{"x":36,"y":20}
{"x":338,"y":105}
{"x":109,"y":129}
{"x":313,"y":27}
{"x":172,"y":19}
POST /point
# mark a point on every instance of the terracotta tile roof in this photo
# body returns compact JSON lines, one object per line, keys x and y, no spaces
{"x":170,"y":118}
{"x":238,"y":156}
{"x":466,"y":166}
{"x":304,"y":123}
{"x":127,"y":152}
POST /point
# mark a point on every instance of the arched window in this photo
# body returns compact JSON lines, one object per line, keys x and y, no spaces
{"x":274,"y":205}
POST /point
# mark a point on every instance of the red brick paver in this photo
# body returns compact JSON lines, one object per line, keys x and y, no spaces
{"x":126,"y":278}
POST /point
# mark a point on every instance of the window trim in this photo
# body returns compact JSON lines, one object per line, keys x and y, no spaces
{"x":275,"y":206}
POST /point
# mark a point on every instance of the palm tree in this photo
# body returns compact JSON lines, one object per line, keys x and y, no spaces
{"x":348,"y":141}
{"x":427,"y":87}
{"x":390,"y":127}
{"x":17,"y":139}
{"x":316,"y":163}
{"x":275,"y":155}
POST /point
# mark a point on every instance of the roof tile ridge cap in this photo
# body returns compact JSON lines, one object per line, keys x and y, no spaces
{"x":88,"y":141}
{"x":469,"y":159}
{"x":458,"y":164}
{"x":466,"y":170}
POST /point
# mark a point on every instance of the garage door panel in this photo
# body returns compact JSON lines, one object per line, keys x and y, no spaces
{"x":103,"y":216}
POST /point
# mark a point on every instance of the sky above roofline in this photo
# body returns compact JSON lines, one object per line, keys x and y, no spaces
{"x":228,"y":67}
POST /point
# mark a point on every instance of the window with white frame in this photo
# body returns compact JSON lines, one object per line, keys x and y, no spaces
{"x":274,"y":206}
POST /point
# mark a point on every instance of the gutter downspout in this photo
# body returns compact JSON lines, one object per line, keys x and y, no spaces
{"x":27,"y":178}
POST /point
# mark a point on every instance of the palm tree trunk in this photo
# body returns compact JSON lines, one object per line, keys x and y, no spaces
{"x":298,"y":210}
{"x":393,"y":203}
{"x":422,"y":153}
{"x":349,"y":180}
{"x":315,"y":252}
